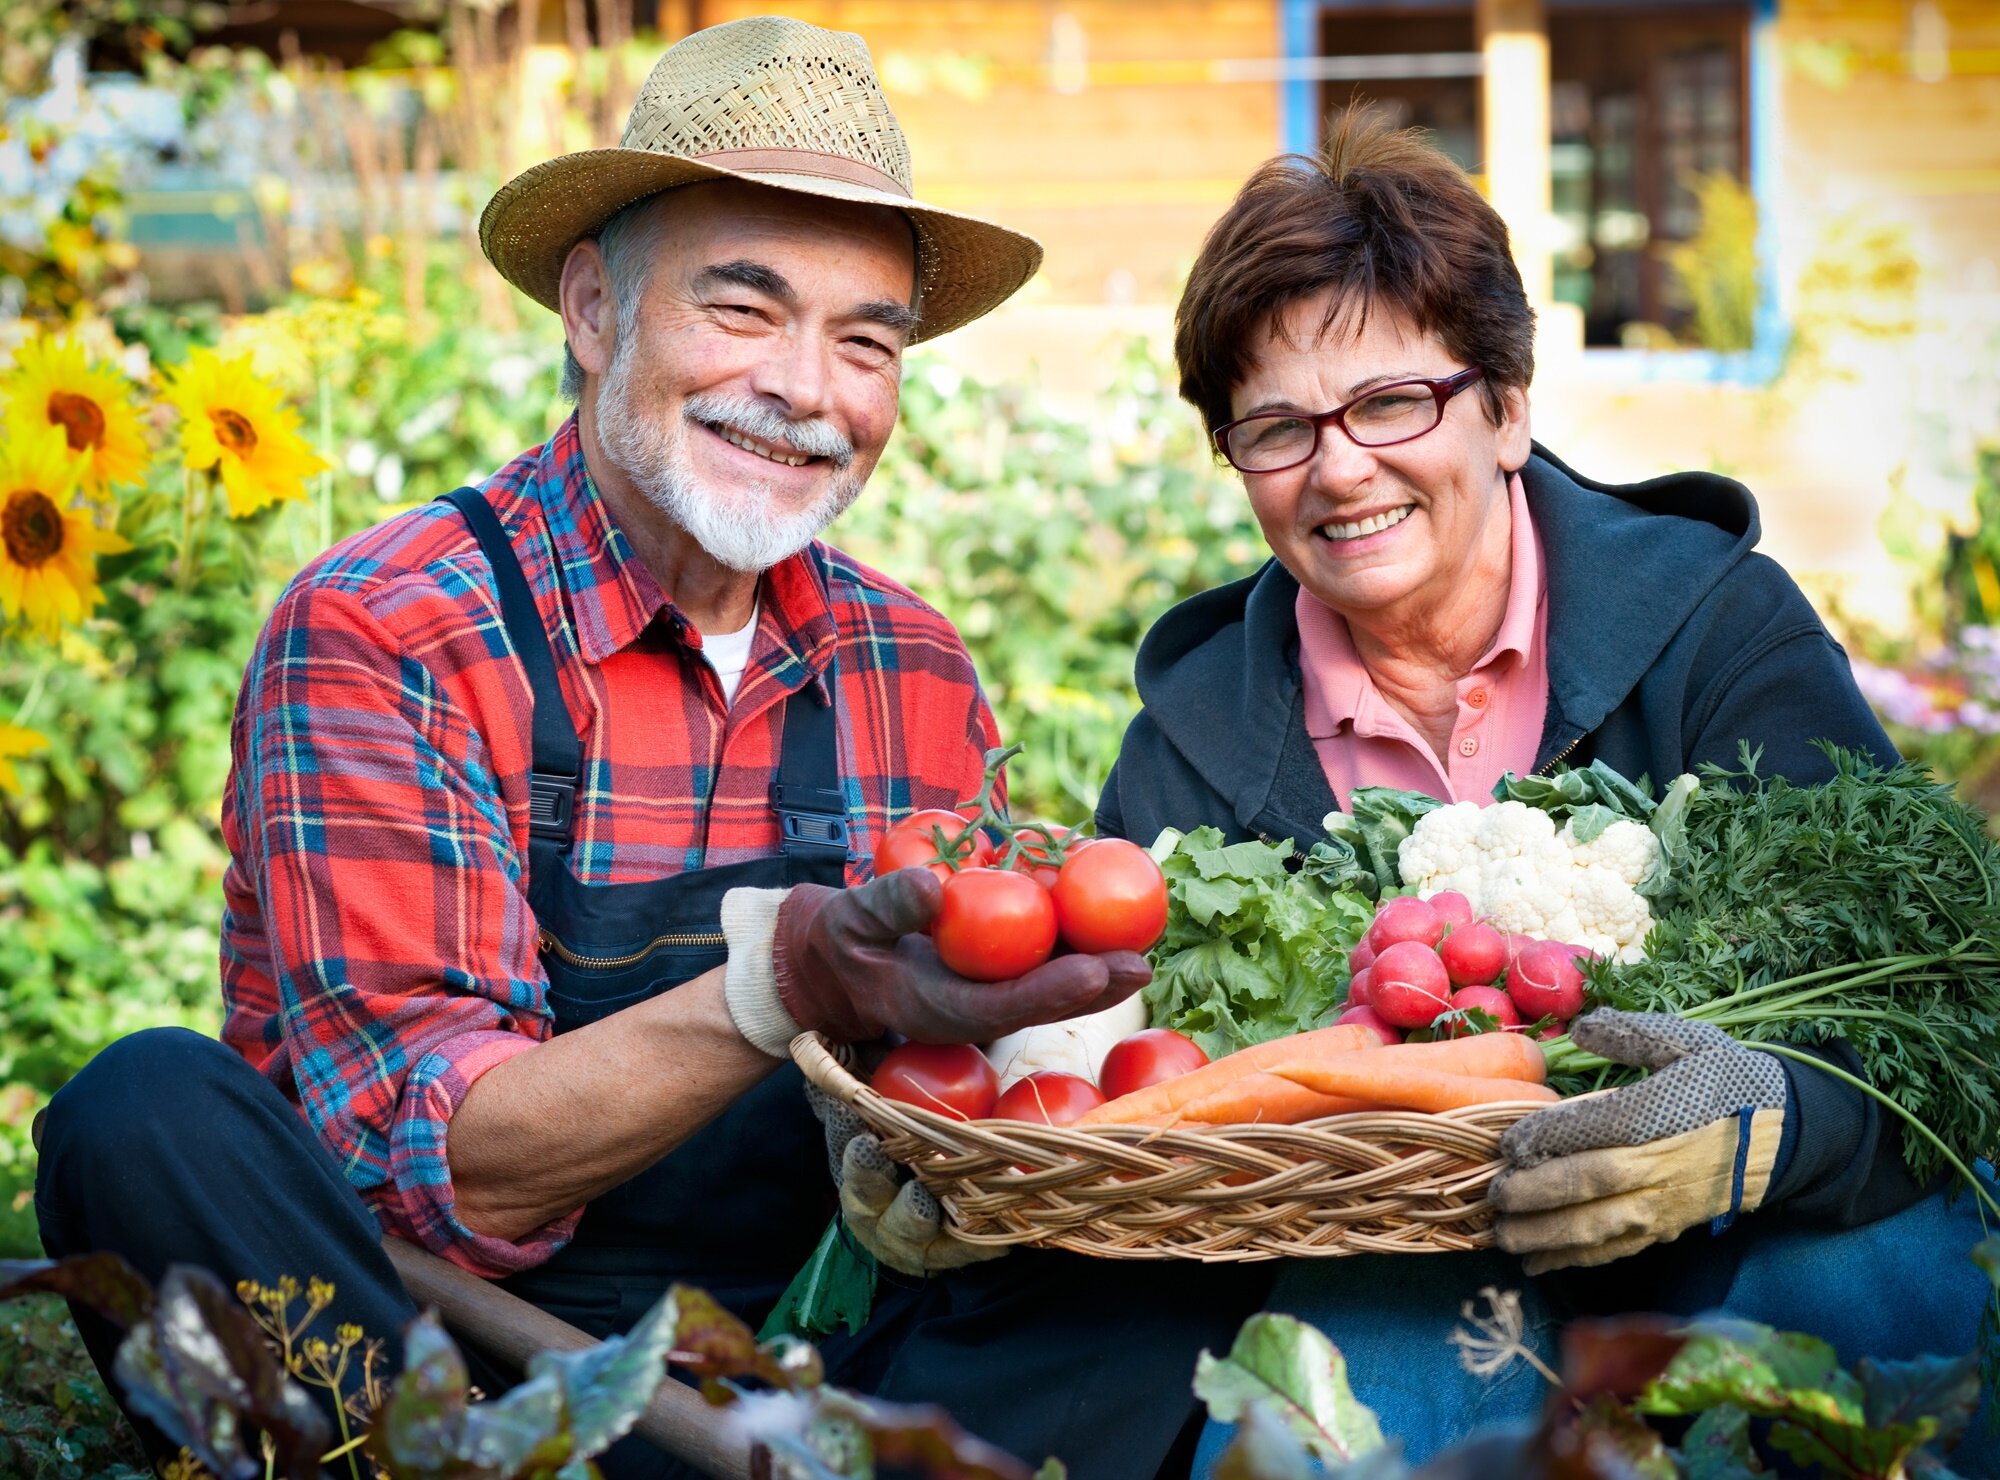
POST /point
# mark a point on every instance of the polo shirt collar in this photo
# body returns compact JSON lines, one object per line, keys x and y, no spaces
{"x":1345,"y":695}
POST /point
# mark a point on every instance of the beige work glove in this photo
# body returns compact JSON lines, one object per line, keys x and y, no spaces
{"x":896,"y":1220}
{"x":1694,"y":1143}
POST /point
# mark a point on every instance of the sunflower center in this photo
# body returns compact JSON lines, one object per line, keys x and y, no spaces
{"x":31,"y":527}
{"x":233,"y":431}
{"x":81,"y":419}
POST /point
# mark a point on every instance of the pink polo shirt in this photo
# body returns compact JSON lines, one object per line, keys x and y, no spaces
{"x":1363,"y":741}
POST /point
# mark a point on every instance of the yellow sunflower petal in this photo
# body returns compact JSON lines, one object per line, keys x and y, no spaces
{"x":48,"y":563}
{"x":54,"y":384}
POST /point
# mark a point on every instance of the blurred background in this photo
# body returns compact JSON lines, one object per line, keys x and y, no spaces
{"x":1761,"y":235}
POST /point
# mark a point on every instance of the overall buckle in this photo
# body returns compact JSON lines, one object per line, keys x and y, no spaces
{"x":809,"y":817}
{"x":551,"y":805}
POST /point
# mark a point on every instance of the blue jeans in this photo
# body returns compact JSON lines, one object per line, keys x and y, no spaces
{"x":1899,"y":1288}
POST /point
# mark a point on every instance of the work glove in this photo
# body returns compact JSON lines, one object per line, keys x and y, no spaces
{"x":1597,"y":1179}
{"x":854,"y":964}
{"x":892,"y":1216}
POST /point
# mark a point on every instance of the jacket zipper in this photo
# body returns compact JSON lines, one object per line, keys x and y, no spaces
{"x":1557,"y":760}
{"x":550,"y":945}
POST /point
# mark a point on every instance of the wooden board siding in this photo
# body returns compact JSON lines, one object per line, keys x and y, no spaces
{"x":1861,"y":134}
{"x":1120,"y":178}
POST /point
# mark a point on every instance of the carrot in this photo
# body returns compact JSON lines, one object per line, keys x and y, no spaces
{"x":1266,"y":1099}
{"x":1273,"y":1097}
{"x":1482,"y":1055}
{"x":1404,"y":1086}
{"x":1165,"y":1099}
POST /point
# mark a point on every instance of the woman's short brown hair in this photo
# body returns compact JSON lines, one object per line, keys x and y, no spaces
{"x":1381,"y":217}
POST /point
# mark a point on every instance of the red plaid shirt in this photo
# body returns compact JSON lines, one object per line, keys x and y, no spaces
{"x":378,"y":950}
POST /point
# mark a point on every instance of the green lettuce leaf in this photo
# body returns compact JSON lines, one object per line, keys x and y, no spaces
{"x":1252,"y":950}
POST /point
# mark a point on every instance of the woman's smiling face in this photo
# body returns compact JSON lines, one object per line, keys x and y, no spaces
{"x":1439,"y":494}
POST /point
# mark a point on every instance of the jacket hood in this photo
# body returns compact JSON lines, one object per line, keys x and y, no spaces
{"x":1626,"y":566}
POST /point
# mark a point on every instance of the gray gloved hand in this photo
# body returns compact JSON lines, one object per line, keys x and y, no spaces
{"x":897,"y":1221}
{"x":1597,"y":1179}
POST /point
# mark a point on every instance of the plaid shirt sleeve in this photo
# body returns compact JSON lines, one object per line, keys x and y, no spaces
{"x":374,"y":851}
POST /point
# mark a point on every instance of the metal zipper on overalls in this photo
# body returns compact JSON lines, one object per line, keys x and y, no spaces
{"x":608,"y":963}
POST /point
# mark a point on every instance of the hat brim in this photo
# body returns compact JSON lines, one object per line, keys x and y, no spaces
{"x":969,"y":266}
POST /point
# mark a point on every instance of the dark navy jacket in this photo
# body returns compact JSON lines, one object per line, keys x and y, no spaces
{"x":1670,"y":640}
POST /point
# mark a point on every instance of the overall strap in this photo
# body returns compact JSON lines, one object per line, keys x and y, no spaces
{"x":556,"y":766}
{"x":811,"y":807}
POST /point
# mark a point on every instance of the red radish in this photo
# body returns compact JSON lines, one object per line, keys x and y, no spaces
{"x":1545,"y":982}
{"x":1048,"y":1098}
{"x":1455,"y":907}
{"x":1489,"y":1000}
{"x":1552,"y":1032}
{"x":1367,"y":1017}
{"x":1358,"y":987}
{"x":1405,"y":919}
{"x":1517,"y":944}
{"x":1474,"y":955}
{"x":1407,"y":985}
{"x":952,"y":1079}
{"x":1361,"y":957}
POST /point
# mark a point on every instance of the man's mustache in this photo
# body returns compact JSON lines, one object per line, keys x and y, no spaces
{"x":810,"y":436}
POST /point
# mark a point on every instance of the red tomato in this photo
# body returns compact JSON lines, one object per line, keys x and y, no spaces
{"x":952,"y":1079}
{"x":1048,"y":1098}
{"x":1111,"y":897}
{"x":1147,"y":1057}
{"x":1033,"y":859}
{"x":909,"y":844}
{"x":993,"y":925}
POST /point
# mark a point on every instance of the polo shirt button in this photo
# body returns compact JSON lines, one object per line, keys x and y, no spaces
{"x":1477,"y":698}
{"x":1468,"y":746}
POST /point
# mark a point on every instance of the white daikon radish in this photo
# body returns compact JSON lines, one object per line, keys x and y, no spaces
{"x":1075,"y":1046}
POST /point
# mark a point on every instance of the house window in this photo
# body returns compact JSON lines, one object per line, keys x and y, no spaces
{"x":1643,"y":99}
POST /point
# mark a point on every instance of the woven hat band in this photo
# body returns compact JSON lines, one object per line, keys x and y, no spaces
{"x":805,"y":162}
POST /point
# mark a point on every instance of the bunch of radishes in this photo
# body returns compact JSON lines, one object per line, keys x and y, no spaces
{"x":1426,"y":959}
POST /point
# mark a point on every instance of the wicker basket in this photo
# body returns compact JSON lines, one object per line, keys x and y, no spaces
{"x":1388,"y":1182}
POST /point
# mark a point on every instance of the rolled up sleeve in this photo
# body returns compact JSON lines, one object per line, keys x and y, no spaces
{"x":392,"y":929}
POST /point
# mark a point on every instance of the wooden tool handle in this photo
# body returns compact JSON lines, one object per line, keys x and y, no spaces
{"x":509,"y":1329}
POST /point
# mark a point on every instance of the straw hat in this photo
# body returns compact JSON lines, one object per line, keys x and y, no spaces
{"x":775,"y":102}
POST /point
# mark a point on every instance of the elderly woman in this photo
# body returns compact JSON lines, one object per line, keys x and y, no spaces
{"x":1447,"y":602}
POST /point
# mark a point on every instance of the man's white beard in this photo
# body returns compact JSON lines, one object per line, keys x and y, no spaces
{"x":751,"y":531}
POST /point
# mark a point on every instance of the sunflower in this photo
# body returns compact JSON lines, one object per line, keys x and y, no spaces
{"x":231,"y":418}
{"x":53,"y":384}
{"x":16,"y":742}
{"x":48,"y":550}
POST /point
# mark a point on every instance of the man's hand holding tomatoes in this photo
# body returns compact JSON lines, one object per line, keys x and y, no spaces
{"x":856,"y":963}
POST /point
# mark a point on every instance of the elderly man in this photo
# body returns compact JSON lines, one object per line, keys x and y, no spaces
{"x":546,"y":796}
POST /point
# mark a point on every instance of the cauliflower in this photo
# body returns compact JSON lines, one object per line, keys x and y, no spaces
{"x":1628,"y":849}
{"x":1527,"y":878}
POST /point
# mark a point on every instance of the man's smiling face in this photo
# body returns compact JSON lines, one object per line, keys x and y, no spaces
{"x":753,"y":384}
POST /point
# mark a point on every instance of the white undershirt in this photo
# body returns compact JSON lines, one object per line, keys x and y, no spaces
{"x":729,"y":652}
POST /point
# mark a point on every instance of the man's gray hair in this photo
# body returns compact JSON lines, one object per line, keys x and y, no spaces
{"x":628,"y":242}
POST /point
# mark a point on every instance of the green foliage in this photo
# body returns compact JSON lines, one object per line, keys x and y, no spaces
{"x":1866,"y":910}
{"x":1717,"y":266}
{"x":1253,"y":950}
{"x":1053,"y":545}
{"x":56,"y":1420}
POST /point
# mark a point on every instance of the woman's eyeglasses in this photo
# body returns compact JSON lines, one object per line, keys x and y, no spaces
{"x":1275,"y":440}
